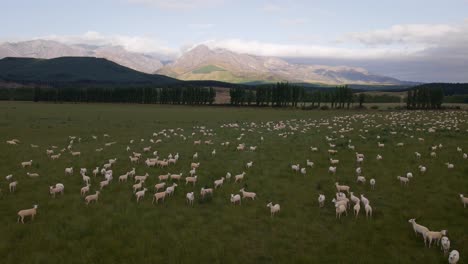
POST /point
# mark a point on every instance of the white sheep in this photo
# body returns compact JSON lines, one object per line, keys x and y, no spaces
{"x":141,"y":178}
{"x":85,"y":189}
{"x":58,"y":188}
{"x":321,"y":200}
{"x":25,"y":164}
{"x":368,"y":209}
{"x":95,"y":171}
{"x":138,"y":186}
{"x":239,"y":177}
{"x":332,"y":170}
{"x":334,"y":161}
{"x":445,"y":244}
{"x":340,"y":208}
{"x":379,"y":157}
{"x":9,"y":177}
{"x":422,"y":169}
{"x":204,"y":191}
{"x":372,"y":183}
{"x":418,"y":228}
{"x":192,"y":180}
{"x":245,"y":194}
{"x":361,"y":179}
{"x":170,"y":190}
{"x":103,"y":184}
{"x":12,"y":186}
{"x":356,"y":208}
{"x":159,"y":196}
{"x":123,"y":178}
{"x":403,"y":180}
{"x":409,"y":175}
{"x":32,"y":175}
{"x":159,"y":186}
{"x":69,"y":171}
{"x":434,"y":235}
{"x":190,"y":198}
{"x":309,"y":163}
{"x":449,"y":165}
{"x":418,"y":155}
{"x":274,"y":209}
{"x":454,"y":256}
{"x":92,"y":197}
{"x":464,"y":200}
{"x":354,"y":199}
{"x":27,"y":212}
{"x":295,"y":167}
{"x":249,"y":164}
{"x":218,"y":183}
{"x":86,"y":179}
{"x":140,"y":194}
{"x":364,"y":200}
{"x":228,"y":176}
{"x":176,"y":176}
{"x":236,"y":199}
{"x":340,"y":188}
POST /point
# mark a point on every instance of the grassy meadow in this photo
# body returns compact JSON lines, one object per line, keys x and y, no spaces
{"x":118,"y":230}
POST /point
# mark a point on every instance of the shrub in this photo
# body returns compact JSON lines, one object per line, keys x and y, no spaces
{"x":324,"y":107}
{"x":374,"y":107}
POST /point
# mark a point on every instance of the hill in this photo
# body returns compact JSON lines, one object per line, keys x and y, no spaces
{"x":75,"y":70}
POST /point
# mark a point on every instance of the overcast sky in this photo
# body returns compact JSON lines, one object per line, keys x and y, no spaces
{"x":415,"y":40}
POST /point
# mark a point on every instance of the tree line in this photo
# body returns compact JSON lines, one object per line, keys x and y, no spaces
{"x":425,"y":98}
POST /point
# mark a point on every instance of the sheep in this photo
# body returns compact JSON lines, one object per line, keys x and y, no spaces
{"x":465,"y":156}
{"x":170,"y":190}
{"x":361,"y":179}
{"x":138,"y":186}
{"x":334,"y":161}
{"x":358,"y":171}
{"x":123,"y":178}
{"x":418,"y":155}
{"x":83,"y":171}
{"x":380,"y":145}
{"x":245,"y":194}
{"x":249,"y":164}
{"x":192,"y":180}
{"x":58,"y":188}
{"x":176,"y":176}
{"x":69,"y":171}
{"x":239,"y":177}
{"x":190,"y":198}
{"x":134,"y":159}
{"x":343,"y":200}
{"x":27,"y":212}
{"x":434,"y":235}
{"x":92,"y":197}
{"x":159,"y":196}
{"x":342,"y":187}
{"x":314,"y":149}
{"x":195,"y":156}
{"x":445,"y":244}
{"x":235,"y":199}
{"x":159,"y":186}
{"x":403,"y":180}
{"x":359,"y":160}
{"x":218,"y":183}
{"x":332,"y":151}
{"x":54,"y":157}
{"x":228,"y":176}
{"x":32,"y":175}
{"x":75,"y":153}
{"x":356,"y":209}
{"x":85,"y":189}
{"x":449,"y":165}
{"x":372,"y":183}
{"x":364,"y":200}
{"x":309,"y":163}
{"x":86,"y":179}
{"x":433,"y":154}
{"x":368,"y":209}
{"x":295,"y":167}
{"x":274,"y":209}
{"x":464,"y":200}
{"x":332,"y":170}
{"x":25,"y":164}
{"x":12,"y":186}
{"x":354,"y":199}
{"x":240,"y":147}
{"x":103,"y":184}
{"x":95,"y":171}
{"x":321,"y":200}
{"x":140,"y":194}
{"x":164,"y":177}
{"x":9,"y":177}
{"x":204,"y":191}
{"x":141,"y":178}
{"x":454,"y":256}
{"x":409,"y":175}
{"x":194,"y":165}
{"x":422,"y":169}
{"x":379,"y":157}
{"x":192,"y":172}
{"x":339,"y":210}
{"x":419,"y":229}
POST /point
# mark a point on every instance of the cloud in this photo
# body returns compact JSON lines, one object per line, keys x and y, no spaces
{"x":293,"y":21}
{"x":201,"y":26}
{"x":178,"y":4}
{"x":130,"y":43}
{"x":271,"y":7}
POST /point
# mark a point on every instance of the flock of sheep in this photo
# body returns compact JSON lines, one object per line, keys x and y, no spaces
{"x":167,"y":183}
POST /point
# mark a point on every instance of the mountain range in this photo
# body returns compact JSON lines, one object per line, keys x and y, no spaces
{"x":204,"y":63}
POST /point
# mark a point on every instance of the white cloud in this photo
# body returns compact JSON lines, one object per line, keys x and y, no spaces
{"x":179,"y":4}
{"x":271,"y":7}
{"x":130,"y":43}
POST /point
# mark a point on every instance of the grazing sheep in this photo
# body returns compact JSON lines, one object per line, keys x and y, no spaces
{"x":332,"y":170}
{"x":434,"y":235}
{"x":218,"y":183}
{"x":379,"y":157}
{"x":454,"y":256}
{"x":418,"y":155}
{"x":228,"y":176}
{"x":236,"y":199}
{"x":195,"y":156}
{"x":54,"y":157}
{"x":249,"y":164}
{"x":340,"y":188}
{"x":334,"y":161}
{"x":422,"y":169}
{"x":354,"y":199}
{"x":9,"y":177}
{"x":339,"y":210}
{"x":464,"y":200}
{"x":85,"y":190}
{"x":364,"y":200}
{"x":190,"y":198}
{"x":192,"y":172}
{"x":25,"y":164}
{"x":92,"y":197}
{"x":403,"y":180}
{"x":103,"y":184}
{"x":295,"y":167}
{"x":138,"y":186}
{"x":372,"y":183}
{"x":356,"y":208}
{"x":321,"y":200}
{"x":12,"y":186}
{"x":418,"y":229}
{"x":58,"y":188}
{"x":204,"y":191}
{"x":195,"y":165}
{"x":309,"y":163}
{"x":69,"y":171}
{"x":159,"y":196}
{"x":86,"y":179}
{"x":380,"y":145}
{"x":123,"y":178}
{"x":141,"y":178}
{"x":159,"y":186}
{"x":449,"y":165}
{"x":32,"y":175}
{"x":361,"y":179}
{"x":274,"y":209}
{"x":170,"y":190}
{"x":140,"y":194}
{"x":245,"y":194}
{"x":445,"y":244}
{"x":239,"y":177}
{"x":164,"y":177}
{"x":368,"y":209}
{"x":192,"y":180}
{"x":27,"y":212}
{"x":176,"y":176}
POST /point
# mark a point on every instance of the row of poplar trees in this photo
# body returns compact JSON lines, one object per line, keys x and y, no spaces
{"x":145,"y":95}
{"x":425,"y":98}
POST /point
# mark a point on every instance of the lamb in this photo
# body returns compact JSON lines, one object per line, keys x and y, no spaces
{"x":464,"y":200}
{"x":445,"y":245}
{"x":274,"y":209}
{"x":218,"y":183}
{"x":380,"y":145}
{"x":334,"y":161}
{"x":192,"y":180}
{"x":103,"y":184}
{"x":176,"y":176}
{"x":25,"y":164}
{"x":372,"y":183}
{"x":228,"y":176}
{"x":422,"y":169}
{"x":314,"y":149}
{"x":249,"y":164}
{"x":54,"y":157}
{"x":159,"y":186}
{"x":134,"y":159}
{"x":69,"y":171}
{"x":253,"y":148}
{"x":192,"y":172}
{"x":236,"y":199}
{"x":361,"y":179}
{"x":141,"y":178}
{"x":321,"y":200}
{"x":342,"y":187}
{"x":295,"y":167}
{"x":95,"y":171}
{"x":449,"y":165}
{"x":9,"y":177}
{"x":309,"y":163}
{"x":170,"y":190}
{"x":204,"y":191}
{"x":123,"y":178}
{"x":379,"y":157}
{"x":454,"y":256}
{"x":27,"y":212}
{"x":239,"y":177}
{"x":356,"y":208}
{"x":92,"y":197}
{"x":58,"y":188}
{"x":12,"y":186}
{"x":86,"y":179}
{"x":138,"y":186}
{"x":332,"y":170}
{"x":140,"y":194}
{"x":358,"y":171}
{"x":159,"y":196}
{"x":433,"y":154}
{"x":190,"y":198}
{"x":83,"y":171}
{"x":403,"y":180}
{"x":213,"y":153}
{"x":245,"y":194}
{"x":368,"y":209}
{"x":85,"y":190}
{"x":419,"y":229}
{"x":339,"y":210}
{"x":409,"y":175}
{"x":195,"y":165}
{"x":32,"y":175}
{"x":164,"y":177}
{"x":434,"y":235}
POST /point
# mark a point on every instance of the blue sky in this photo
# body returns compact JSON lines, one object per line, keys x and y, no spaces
{"x":388,"y":36}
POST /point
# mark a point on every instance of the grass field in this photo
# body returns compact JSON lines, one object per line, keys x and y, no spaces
{"x":118,"y":230}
